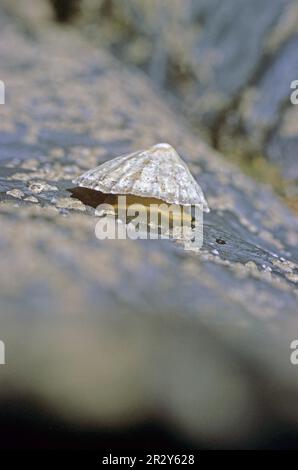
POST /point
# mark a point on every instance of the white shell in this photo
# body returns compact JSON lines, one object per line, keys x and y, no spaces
{"x":157,"y":173}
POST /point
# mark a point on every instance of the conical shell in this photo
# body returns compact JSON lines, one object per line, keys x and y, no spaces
{"x":157,"y":172}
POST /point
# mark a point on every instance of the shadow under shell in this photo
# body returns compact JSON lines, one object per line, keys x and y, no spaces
{"x":94,"y":198}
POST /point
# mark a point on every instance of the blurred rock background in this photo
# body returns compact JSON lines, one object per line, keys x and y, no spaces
{"x":228,"y":66}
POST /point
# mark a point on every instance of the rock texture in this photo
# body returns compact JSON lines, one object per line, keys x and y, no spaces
{"x":110,"y":333}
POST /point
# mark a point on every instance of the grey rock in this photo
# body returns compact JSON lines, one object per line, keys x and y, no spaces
{"x":119,"y":332}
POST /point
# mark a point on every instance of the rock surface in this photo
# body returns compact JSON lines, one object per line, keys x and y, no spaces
{"x":120,"y":332}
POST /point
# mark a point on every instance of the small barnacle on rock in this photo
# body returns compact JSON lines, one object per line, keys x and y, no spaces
{"x":39,"y":187}
{"x":19,"y":177}
{"x":31,"y":164}
{"x":68,"y":203}
{"x":17,"y":193}
{"x":285,"y":265}
{"x":155,"y":175}
{"x":31,"y":199}
{"x":292,"y":277}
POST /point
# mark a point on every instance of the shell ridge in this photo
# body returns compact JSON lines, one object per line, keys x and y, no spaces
{"x":158,"y":172}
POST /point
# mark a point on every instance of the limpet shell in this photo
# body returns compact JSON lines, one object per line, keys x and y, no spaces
{"x":157,"y":172}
